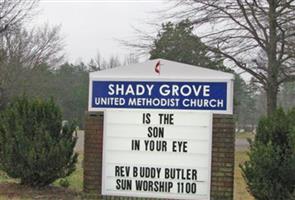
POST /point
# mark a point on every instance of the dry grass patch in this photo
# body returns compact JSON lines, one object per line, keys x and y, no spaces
{"x":245,"y":135}
{"x":240,"y":187}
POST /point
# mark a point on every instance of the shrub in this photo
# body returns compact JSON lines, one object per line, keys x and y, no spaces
{"x":64,"y":183}
{"x":34,"y":146}
{"x":270,"y":171}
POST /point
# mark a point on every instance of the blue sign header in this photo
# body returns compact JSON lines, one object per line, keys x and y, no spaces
{"x":159,"y":95}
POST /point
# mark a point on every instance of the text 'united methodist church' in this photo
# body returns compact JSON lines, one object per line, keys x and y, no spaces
{"x":153,"y":92}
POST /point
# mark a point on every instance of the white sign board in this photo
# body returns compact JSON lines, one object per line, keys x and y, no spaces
{"x":157,"y":154}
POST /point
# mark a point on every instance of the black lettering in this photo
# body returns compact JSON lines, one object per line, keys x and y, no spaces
{"x":150,"y":131}
{"x":166,"y":119}
{"x":156,"y":132}
{"x":135,"y":171}
{"x":118,"y":184}
{"x":117,"y":171}
{"x":127,"y":169}
{"x":123,"y":171}
{"x":194,"y":174}
{"x":179,"y":146}
{"x":146,"y":118}
{"x":135,"y":145}
{"x":151,"y":145}
{"x":184,"y":147}
{"x":187,"y":188}
{"x":153,"y":186}
{"x":181,"y":174}
{"x":122,"y":184}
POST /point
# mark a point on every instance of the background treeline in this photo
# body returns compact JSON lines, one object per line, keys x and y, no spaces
{"x":68,"y":85}
{"x":33,"y":62}
{"x":250,"y":104}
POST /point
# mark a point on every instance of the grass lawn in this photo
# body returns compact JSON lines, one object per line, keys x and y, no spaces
{"x":240,"y":191}
{"x":75,"y":179}
{"x":10,"y":189}
{"x":245,"y":135}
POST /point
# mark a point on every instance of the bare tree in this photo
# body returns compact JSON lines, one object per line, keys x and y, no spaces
{"x":114,"y":62}
{"x":15,"y":12}
{"x":98,"y":63}
{"x":130,"y":59}
{"x":240,"y":29}
{"x":12,"y":15}
{"x":42,"y":45}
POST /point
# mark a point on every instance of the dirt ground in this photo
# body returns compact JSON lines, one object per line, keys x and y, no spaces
{"x":16,"y":191}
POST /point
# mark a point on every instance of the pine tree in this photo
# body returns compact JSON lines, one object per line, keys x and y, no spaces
{"x":34,"y":146}
{"x":270,"y":172}
{"x":178,"y":42}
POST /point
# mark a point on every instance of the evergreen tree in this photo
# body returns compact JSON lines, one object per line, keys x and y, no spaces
{"x":34,"y":146}
{"x":177,"y":42}
{"x":270,"y":172}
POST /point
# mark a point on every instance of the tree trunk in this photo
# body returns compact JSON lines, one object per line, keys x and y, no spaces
{"x":271,"y":99}
{"x":273,"y":65}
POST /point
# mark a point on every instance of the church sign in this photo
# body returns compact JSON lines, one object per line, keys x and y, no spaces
{"x":156,"y":138}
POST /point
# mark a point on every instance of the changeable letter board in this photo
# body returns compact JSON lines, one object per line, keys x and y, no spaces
{"x":157,"y":154}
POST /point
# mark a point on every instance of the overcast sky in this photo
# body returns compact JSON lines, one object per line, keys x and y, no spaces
{"x":89,"y":26}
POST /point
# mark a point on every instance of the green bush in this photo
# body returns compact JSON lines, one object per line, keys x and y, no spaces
{"x":270,"y":171}
{"x":34,"y":146}
{"x":64,"y":183}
